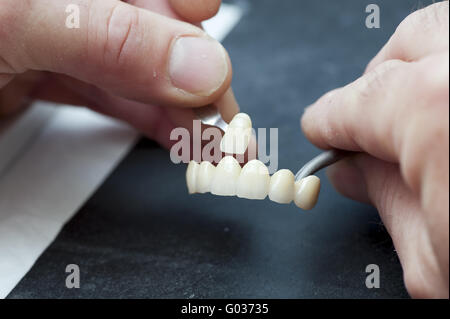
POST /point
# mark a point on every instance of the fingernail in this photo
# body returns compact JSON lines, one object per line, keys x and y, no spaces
{"x":198,"y":65}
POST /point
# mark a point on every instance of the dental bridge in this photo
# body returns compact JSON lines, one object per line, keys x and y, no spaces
{"x":253,"y":180}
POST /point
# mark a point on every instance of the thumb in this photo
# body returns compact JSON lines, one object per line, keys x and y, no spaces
{"x":130,"y":51}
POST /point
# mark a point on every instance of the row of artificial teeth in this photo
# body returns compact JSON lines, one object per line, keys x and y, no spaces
{"x":252,"y":182}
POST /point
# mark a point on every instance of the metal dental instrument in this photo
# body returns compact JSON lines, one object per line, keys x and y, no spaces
{"x":320,"y":161}
{"x":209,"y":115}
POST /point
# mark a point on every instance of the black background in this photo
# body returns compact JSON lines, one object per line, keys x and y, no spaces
{"x":141,"y":235}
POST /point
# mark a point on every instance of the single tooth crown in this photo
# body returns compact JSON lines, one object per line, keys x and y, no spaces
{"x":237,"y":135}
{"x":307,"y":192}
{"x":241,"y":120}
{"x":205,"y":177}
{"x":235,"y":140}
{"x":191,"y":176}
{"x":226,"y":177}
{"x":282,"y":186}
{"x":253,"y":183}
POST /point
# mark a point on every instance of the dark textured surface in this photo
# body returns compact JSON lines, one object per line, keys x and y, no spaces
{"x":141,"y":235}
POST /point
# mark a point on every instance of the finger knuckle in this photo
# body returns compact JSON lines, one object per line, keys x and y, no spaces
{"x":433,"y":78}
{"x":121,"y":34}
{"x":375,"y":80}
{"x":432,"y":18}
{"x":425,"y":143}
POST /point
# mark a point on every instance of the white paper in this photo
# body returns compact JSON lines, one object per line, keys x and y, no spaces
{"x":226,"y":19}
{"x":49,"y":182}
{"x":18,"y":131}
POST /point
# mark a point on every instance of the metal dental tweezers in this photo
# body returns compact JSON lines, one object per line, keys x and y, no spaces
{"x":210,"y":115}
{"x":320,"y":161}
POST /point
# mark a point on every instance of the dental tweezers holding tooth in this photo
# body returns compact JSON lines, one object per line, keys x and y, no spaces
{"x":209,"y":115}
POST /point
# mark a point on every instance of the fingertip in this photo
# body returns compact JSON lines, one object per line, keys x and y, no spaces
{"x":304,"y":119}
{"x":195,"y":10}
{"x":310,"y":123}
{"x":315,"y":117}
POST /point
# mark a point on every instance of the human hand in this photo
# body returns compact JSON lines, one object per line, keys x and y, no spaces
{"x":397,"y":114}
{"x":134,"y":61}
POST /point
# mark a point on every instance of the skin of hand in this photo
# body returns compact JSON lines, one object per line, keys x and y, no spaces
{"x":397,"y":115}
{"x":146,"y":62}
